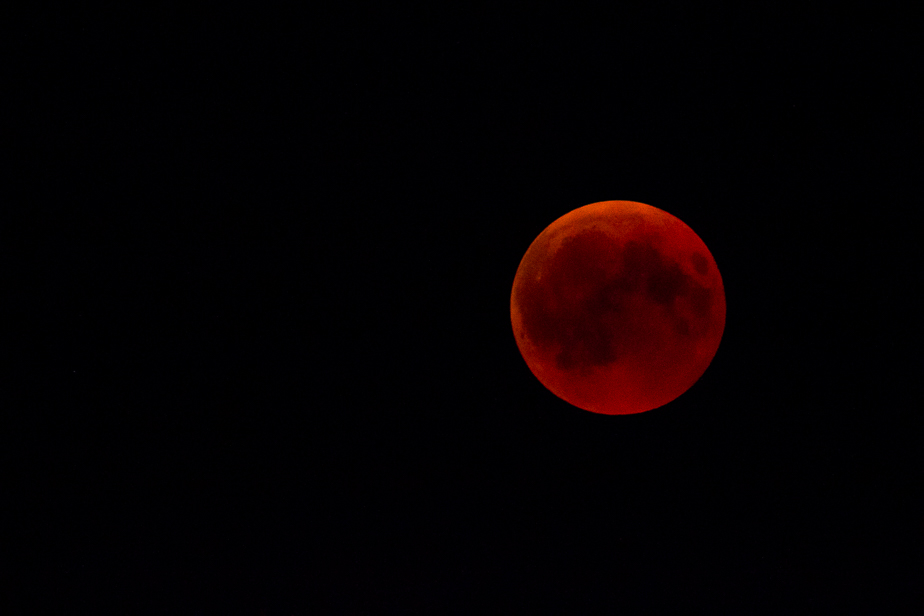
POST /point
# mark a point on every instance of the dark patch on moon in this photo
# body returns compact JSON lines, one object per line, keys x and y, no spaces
{"x":700,"y":299}
{"x":666,"y":282}
{"x":681,"y":326}
{"x":700,"y":263}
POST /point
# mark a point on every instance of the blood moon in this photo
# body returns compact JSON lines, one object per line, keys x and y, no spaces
{"x":618,"y":307}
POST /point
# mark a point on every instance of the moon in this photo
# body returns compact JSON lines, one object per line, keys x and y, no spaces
{"x":618,"y":307}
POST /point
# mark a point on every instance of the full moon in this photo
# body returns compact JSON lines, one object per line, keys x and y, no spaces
{"x":618,"y":307}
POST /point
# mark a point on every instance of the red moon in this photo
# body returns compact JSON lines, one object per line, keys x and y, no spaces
{"x":618,"y":307}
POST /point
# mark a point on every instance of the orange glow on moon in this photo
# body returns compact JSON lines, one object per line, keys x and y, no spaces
{"x":618,"y":307}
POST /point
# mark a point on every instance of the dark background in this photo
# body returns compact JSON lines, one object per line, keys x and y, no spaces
{"x":263,"y":321}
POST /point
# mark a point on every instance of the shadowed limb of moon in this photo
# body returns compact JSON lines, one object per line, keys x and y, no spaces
{"x":618,"y":307}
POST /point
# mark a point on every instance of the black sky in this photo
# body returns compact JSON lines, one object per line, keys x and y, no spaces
{"x":267,"y":335}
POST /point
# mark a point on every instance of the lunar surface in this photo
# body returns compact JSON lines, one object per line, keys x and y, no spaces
{"x":618,"y":307}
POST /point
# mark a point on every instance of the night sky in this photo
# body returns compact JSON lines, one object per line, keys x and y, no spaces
{"x":264,"y":323}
